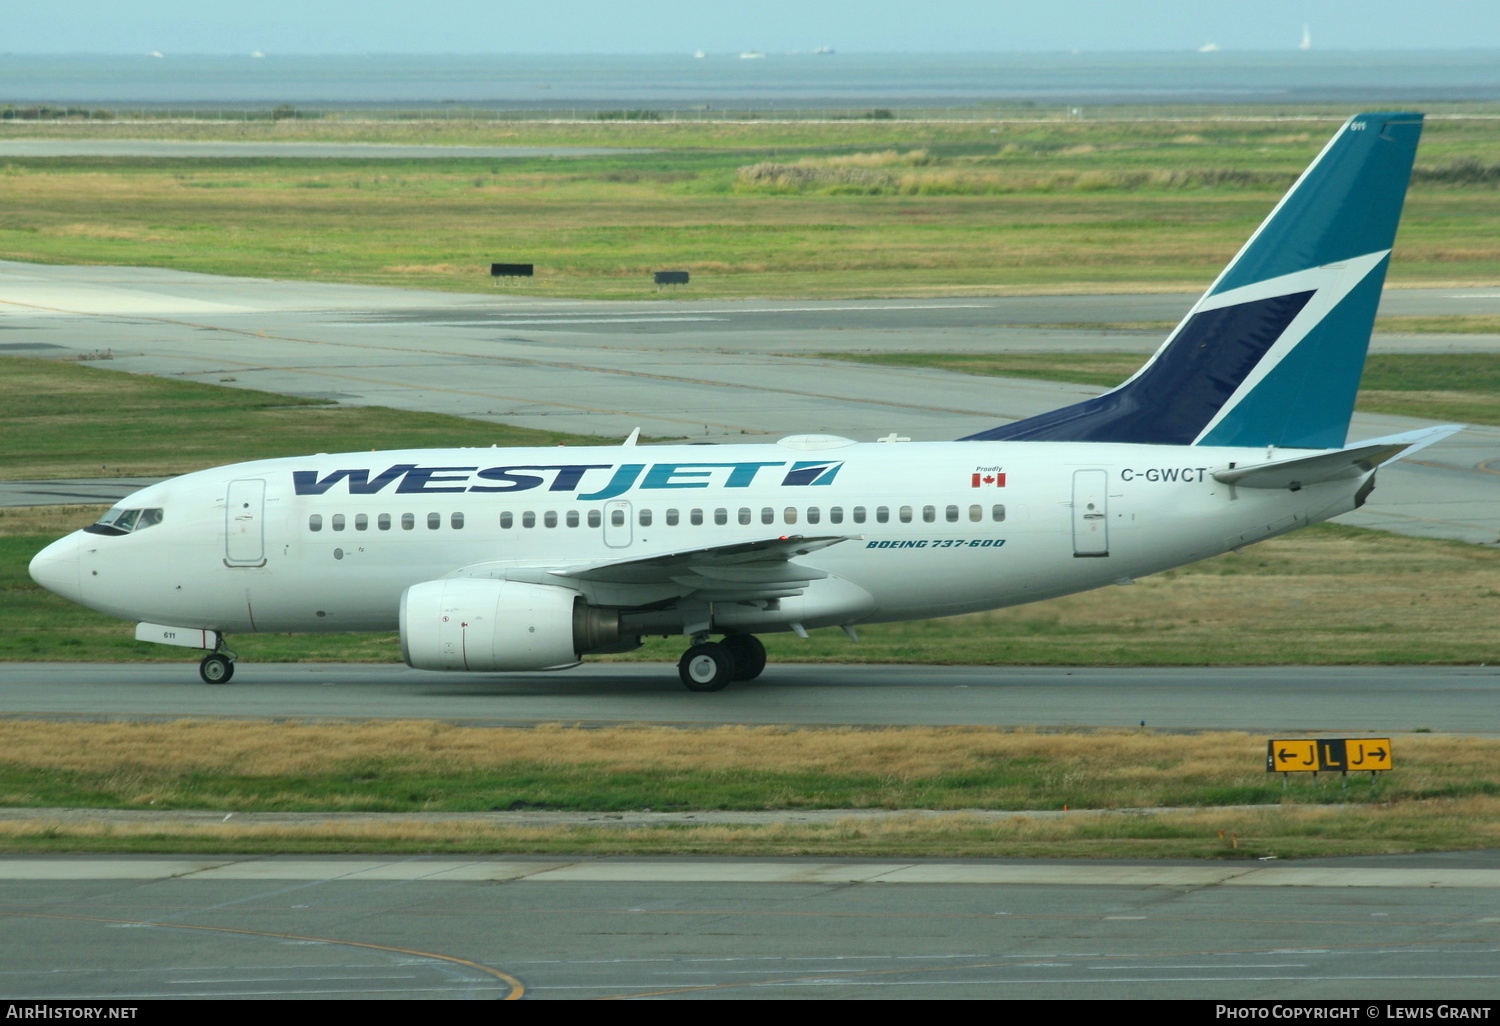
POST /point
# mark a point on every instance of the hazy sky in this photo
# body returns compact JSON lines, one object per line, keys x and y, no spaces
{"x":662,"y":26}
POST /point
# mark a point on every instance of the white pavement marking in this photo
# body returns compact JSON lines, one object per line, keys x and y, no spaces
{"x":578,"y":320}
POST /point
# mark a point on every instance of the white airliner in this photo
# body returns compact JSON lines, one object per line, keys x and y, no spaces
{"x":529,"y":559}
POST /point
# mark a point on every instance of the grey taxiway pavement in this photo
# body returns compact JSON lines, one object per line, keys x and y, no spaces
{"x":1362,"y":930}
{"x":1450,"y":699}
{"x":704,"y":371}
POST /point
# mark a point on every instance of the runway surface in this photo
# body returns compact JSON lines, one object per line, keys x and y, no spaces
{"x":1449,"y":699}
{"x":493,"y":928}
{"x":704,"y":371}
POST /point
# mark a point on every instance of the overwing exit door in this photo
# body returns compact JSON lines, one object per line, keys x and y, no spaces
{"x":617,"y":529}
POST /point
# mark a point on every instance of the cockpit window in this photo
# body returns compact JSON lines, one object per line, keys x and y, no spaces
{"x":124,"y":521}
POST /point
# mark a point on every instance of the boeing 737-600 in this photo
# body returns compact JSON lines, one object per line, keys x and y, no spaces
{"x":530,"y":559}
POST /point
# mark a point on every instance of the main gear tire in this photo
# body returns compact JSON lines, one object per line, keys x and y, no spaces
{"x":749,"y":655}
{"x":707,"y":667}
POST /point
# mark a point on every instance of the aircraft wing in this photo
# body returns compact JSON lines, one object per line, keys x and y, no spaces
{"x":1329,"y":466}
{"x":742,"y":566}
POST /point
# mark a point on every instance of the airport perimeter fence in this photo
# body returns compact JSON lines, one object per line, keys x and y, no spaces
{"x":32,"y":113}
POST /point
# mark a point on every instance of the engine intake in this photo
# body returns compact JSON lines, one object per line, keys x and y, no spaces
{"x":488,"y":625}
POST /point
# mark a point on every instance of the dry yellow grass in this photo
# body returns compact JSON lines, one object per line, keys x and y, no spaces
{"x":1210,"y":833}
{"x":289,"y":749}
{"x":47,"y":520}
{"x":429,"y":269}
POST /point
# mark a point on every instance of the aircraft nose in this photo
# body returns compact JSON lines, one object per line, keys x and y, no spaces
{"x":56,"y":568}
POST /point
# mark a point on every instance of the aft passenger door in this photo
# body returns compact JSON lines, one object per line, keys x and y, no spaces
{"x":1090,"y":513}
{"x":244,"y":523}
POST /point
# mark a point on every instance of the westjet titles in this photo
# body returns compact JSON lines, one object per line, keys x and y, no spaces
{"x":564,"y":477}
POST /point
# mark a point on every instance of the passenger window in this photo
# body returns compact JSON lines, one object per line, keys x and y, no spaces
{"x":315,"y":522}
{"x":835,"y":514}
{"x":528,"y":519}
{"x":976,"y":513}
{"x":767,"y":515}
{"x":671,"y":518}
{"x":383,"y":521}
{"x":905,"y":514}
{"x":721,"y":516}
{"x":617,"y":517}
{"x":858,"y":514}
{"x":434,"y":521}
{"x":549,"y":518}
{"x":595,"y":518}
{"x":408,"y":521}
{"x":361,"y":522}
{"x":456,"y":521}
{"x":507,"y":520}
{"x":790,"y":514}
{"x":997,"y":513}
{"x":929,"y":514}
{"x":338,"y":521}
{"x":813,"y":515}
{"x":695,"y":517}
{"x":572,"y":518}
{"x":744,"y":517}
{"x":645,"y":518}
{"x":882,"y":514}
{"x":952,"y":514}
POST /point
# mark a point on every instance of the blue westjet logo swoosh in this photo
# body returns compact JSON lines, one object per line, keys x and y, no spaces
{"x":589,"y":481}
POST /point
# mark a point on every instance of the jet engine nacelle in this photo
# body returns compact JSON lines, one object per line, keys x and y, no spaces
{"x":489,"y":625}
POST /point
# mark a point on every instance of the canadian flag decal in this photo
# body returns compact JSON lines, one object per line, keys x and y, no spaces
{"x":987,"y":477}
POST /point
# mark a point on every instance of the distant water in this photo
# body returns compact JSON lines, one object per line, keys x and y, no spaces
{"x":726,"y":80}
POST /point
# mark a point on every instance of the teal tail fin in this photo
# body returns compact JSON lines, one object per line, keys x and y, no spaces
{"x":1273,"y":352}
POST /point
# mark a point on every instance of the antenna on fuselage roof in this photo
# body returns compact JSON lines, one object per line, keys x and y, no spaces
{"x":633,"y":436}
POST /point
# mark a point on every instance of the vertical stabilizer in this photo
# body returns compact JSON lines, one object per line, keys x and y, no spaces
{"x":1273,"y":351}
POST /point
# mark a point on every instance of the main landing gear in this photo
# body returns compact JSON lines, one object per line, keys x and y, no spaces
{"x":217,"y":667}
{"x":710,"y":666}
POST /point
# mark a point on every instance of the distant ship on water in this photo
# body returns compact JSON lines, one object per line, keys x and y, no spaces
{"x":1306,"y":43}
{"x":1209,"y":48}
{"x":752,"y":55}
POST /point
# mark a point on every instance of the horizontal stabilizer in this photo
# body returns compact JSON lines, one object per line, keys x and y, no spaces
{"x":1354,"y":461}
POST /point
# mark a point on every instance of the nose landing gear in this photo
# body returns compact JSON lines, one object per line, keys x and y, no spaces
{"x":217,"y":667}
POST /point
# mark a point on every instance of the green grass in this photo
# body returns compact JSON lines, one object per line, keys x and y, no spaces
{"x":986,"y":207}
{"x":405,"y":766}
{"x":80,"y":420}
{"x":1457,"y":387}
{"x":1440,"y":796}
